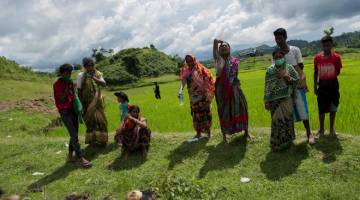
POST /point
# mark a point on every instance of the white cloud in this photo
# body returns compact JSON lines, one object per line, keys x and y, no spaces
{"x":45,"y":33}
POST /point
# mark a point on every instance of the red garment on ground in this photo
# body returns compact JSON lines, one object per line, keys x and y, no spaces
{"x":63,"y":94}
{"x":327,"y":67}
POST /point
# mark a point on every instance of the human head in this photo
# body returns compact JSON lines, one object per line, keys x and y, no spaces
{"x":278,"y":57}
{"x":327,"y":43}
{"x":280,"y":36}
{"x":134,"y":111}
{"x":224,"y":49}
{"x":190,"y":61}
{"x":89,"y":64}
{"x":134,"y":195}
{"x":65,"y":70}
{"x":121,"y":96}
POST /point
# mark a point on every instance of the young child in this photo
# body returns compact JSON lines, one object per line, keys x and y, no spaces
{"x":123,"y":99}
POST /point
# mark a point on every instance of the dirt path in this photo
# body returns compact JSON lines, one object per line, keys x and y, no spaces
{"x":43,"y":104}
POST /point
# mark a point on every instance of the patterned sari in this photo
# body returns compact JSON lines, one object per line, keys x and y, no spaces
{"x":94,"y":111}
{"x":279,"y":94}
{"x":231,"y":102}
{"x":200,"y":85}
{"x":132,"y":136}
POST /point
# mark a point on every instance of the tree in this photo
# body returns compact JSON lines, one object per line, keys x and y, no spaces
{"x":152,"y":47}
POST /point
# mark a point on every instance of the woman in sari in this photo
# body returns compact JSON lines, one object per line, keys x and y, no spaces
{"x":134,"y":133}
{"x":88,"y":84}
{"x":200,"y":85}
{"x":231,"y":102}
{"x":280,"y":84}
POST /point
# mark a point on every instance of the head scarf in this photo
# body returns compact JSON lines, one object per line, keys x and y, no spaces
{"x":201,"y":77}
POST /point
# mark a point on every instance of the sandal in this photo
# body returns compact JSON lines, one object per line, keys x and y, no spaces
{"x":85,"y":163}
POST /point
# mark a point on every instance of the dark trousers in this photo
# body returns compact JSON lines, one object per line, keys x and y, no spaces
{"x":70,"y":120}
{"x":157,"y":95}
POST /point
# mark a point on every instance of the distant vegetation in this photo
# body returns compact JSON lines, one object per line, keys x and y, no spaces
{"x":130,"y":65}
{"x":9,"y":69}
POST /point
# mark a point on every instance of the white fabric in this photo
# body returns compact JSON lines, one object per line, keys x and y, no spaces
{"x":80,"y":77}
{"x":293,"y":57}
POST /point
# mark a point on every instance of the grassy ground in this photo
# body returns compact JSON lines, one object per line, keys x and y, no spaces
{"x":204,"y":170}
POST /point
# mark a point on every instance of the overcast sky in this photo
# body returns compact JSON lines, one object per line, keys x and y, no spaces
{"x":44,"y":33}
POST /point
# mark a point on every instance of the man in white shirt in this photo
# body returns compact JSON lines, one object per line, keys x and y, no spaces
{"x":293,"y":56}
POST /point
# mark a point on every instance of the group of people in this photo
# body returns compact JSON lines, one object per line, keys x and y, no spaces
{"x":83,"y":102}
{"x":284,"y":93}
{"x":284,"y":96}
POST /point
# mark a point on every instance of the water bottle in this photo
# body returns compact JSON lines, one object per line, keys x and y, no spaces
{"x":181,"y":99}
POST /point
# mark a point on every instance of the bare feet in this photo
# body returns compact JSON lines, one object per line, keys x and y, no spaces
{"x":311,"y":139}
{"x":208,"y":135}
{"x":247,"y":135}
{"x":332,"y":134}
{"x":320,"y":133}
{"x":225,"y":139}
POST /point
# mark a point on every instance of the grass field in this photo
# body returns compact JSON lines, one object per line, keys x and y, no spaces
{"x":205,"y":170}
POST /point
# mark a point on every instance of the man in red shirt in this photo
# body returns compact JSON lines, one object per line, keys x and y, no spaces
{"x":64,"y":101}
{"x":327,"y":65}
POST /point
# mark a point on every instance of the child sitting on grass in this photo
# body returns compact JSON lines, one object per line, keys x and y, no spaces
{"x":134,"y":133}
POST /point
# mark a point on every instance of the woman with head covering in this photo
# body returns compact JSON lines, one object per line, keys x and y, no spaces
{"x":200,"y":85}
{"x":89,"y":83}
{"x":280,"y":84}
{"x":231,"y":102}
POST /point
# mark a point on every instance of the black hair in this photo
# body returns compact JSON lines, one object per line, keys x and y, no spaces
{"x":326,"y":38}
{"x":87,"y":61}
{"x":134,"y":107}
{"x":122,"y":95}
{"x":65,"y":68}
{"x":277,"y":50}
{"x":280,"y":31}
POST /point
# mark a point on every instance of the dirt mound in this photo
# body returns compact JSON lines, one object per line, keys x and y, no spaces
{"x":43,"y":104}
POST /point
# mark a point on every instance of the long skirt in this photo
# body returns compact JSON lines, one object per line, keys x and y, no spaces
{"x":133,"y":139}
{"x":95,"y":121}
{"x":282,"y":123}
{"x":201,"y":114}
{"x":232,"y":109}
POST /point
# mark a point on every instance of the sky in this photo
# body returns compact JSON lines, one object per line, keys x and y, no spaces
{"x":44,"y":34}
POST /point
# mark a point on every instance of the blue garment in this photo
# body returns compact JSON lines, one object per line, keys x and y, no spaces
{"x":123,"y":110}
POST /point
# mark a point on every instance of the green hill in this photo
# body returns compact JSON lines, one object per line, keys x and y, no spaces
{"x":10,"y":69}
{"x":130,"y":65}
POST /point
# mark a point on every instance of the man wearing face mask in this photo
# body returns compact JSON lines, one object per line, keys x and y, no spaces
{"x":293,"y":57}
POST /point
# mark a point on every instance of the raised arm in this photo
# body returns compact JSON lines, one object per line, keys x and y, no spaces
{"x":216,"y":48}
